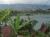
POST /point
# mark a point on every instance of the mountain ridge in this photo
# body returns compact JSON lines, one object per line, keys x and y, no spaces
{"x":23,"y":6}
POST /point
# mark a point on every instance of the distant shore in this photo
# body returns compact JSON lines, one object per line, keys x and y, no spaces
{"x":36,"y":15}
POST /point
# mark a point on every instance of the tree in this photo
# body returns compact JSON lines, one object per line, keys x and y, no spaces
{"x":3,"y":15}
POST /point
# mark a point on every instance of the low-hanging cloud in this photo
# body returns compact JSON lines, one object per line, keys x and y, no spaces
{"x":23,"y":1}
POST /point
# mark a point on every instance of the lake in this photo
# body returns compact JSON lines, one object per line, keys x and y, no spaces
{"x":41,"y":19}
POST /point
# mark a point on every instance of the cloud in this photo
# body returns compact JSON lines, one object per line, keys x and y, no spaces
{"x":23,"y":1}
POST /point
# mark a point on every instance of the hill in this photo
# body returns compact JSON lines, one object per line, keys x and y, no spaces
{"x":23,"y":6}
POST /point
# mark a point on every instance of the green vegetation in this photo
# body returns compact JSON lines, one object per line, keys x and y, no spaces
{"x":3,"y":15}
{"x":26,"y":28}
{"x":41,"y":34}
{"x":31,"y":12}
{"x":17,"y":25}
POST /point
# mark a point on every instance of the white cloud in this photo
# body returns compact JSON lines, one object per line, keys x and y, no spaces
{"x":23,"y":1}
{"x":6,"y":1}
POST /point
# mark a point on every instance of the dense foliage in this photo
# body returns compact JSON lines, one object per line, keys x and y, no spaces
{"x":30,"y":12}
{"x":15,"y":27}
{"x":25,"y":27}
{"x":3,"y":15}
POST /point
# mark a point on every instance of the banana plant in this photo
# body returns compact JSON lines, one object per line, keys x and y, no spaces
{"x":17,"y":25}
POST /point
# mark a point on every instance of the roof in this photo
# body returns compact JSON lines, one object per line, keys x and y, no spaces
{"x":43,"y":28}
{"x":49,"y":9}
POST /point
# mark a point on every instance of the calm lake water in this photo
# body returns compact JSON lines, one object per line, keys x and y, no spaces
{"x":41,"y":19}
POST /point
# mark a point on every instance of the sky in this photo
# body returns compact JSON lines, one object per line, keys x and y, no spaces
{"x":24,"y":1}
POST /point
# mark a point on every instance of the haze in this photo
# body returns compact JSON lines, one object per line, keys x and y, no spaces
{"x":24,"y":2}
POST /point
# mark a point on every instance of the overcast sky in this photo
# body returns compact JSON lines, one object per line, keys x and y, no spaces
{"x":24,"y":1}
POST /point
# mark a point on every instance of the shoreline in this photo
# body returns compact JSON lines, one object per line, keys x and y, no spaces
{"x":36,"y":15}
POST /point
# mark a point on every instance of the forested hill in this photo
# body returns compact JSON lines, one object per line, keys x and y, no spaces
{"x":23,"y":6}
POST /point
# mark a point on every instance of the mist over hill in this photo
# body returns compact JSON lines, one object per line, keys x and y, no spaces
{"x":23,"y":6}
